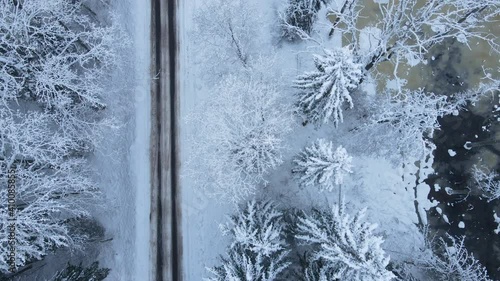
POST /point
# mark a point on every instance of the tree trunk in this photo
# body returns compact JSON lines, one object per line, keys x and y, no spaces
{"x":340,"y":194}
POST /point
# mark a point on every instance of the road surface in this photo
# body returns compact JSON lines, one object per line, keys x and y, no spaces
{"x":166,"y":241}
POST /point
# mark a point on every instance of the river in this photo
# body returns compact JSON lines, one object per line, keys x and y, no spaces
{"x":453,"y":67}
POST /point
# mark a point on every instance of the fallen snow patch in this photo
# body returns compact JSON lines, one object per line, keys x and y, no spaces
{"x":369,"y":39}
{"x":445,"y":218}
{"x":468,"y":145}
{"x":497,"y":220}
{"x":452,"y":152}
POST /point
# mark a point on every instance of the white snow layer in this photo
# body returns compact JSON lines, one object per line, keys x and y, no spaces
{"x":497,"y":220}
{"x":369,"y":38}
{"x":126,"y":214}
{"x":140,"y":162}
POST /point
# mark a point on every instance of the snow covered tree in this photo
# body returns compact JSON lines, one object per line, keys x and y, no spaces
{"x":324,"y":92}
{"x":259,"y":227}
{"x":58,"y":55}
{"x":44,"y":201}
{"x":50,"y":184}
{"x":55,"y":63}
{"x":320,"y":165}
{"x":244,"y":265}
{"x":81,"y":273}
{"x":317,"y":270}
{"x":227,"y":30}
{"x":344,"y":244}
{"x":240,"y":136}
{"x":412,"y":117}
{"x":487,"y":181}
{"x":31,"y":138}
{"x":54,"y":53}
{"x":453,"y":262}
{"x":407,"y":29}
{"x":298,"y":17}
{"x":258,"y":251}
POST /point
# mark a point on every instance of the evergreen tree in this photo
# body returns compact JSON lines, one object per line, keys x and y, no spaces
{"x":257,"y":252}
{"x":299,"y":16}
{"x":324,"y":92}
{"x":322,"y":166}
{"x":317,"y":270}
{"x":344,"y":244}
{"x":81,"y":273}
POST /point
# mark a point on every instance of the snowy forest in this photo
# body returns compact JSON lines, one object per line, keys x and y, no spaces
{"x":342,"y":140}
{"x":61,"y":119}
{"x":318,"y":140}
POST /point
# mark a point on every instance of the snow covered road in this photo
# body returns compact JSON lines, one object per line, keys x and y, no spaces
{"x":165,"y":212}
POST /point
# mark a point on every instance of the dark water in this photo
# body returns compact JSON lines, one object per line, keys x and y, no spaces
{"x":462,"y":201}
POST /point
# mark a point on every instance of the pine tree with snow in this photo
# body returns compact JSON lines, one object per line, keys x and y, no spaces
{"x":345,"y":244}
{"x":245,"y":265}
{"x":81,"y":273}
{"x":320,"y":165}
{"x":299,"y":16}
{"x":316,"y":270}
{"x":324,"y":92}
{"x":258,"y":251}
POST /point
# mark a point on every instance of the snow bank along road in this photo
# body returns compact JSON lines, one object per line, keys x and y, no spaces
{"x":165,"y":240}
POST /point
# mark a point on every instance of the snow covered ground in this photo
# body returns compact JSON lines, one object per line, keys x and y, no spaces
{"x":124,"y":163}
{"x":200,"y":216}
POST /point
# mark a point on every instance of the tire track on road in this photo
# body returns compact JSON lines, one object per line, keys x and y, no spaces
{"x":166,"y":247}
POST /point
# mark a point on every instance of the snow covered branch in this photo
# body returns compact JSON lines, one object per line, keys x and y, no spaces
{"x":454,"y":262}
{"x":79,"y":272}
{"x":226,"y":31}
{"x":413,"y":117}
{"x":408,"y":29}
{"x":497,"y":221}
{"x":317,"y":270}
{"x":488,"y":182}
{"x":55,"y":54}
{"x":55,"y":64}
{"x":44,"y":200}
